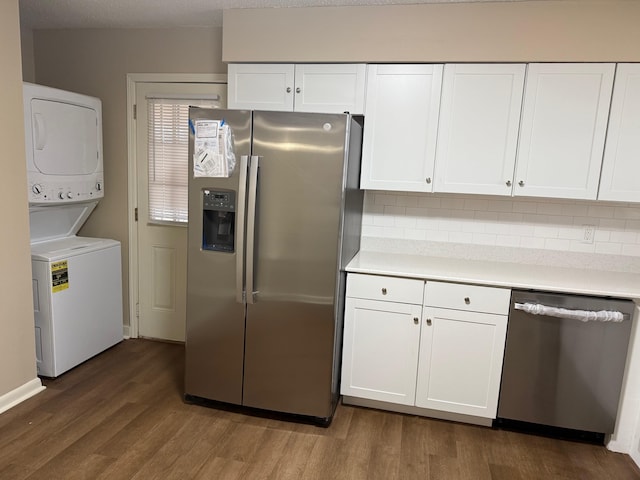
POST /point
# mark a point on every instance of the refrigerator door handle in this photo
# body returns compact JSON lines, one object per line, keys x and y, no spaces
{"x":251,"y":225}
{"x":242,"y":200}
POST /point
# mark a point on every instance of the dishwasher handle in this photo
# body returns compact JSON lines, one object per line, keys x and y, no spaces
{"x":582,"y":315}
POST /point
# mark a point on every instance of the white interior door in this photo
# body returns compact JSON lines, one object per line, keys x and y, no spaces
{"x":162,"y":244}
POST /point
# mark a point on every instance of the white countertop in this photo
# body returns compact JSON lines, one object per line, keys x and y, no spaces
{"x":499,"y":274}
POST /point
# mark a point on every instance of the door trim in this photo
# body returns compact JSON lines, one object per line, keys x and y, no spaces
{"x":132,"y":330}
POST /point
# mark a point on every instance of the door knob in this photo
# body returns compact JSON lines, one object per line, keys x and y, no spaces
{"x":521,"y":183}
{"x":508,"y":183}
{"x":467,"y":300}
{"x":288,"y":89}
{"x":429,"y":321}
{"x":416,"y":320}
{"x":384,"y":291}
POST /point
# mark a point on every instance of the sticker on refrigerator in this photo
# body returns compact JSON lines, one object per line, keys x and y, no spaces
{"x":59,"y":276}
{"x":213,"y":154}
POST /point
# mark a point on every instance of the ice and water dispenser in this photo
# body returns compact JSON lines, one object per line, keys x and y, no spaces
{"x":218,"y":220}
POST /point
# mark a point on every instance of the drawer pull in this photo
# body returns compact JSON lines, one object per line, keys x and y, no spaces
{"x":384,"y":291}
{"x":429,"y":321}
{"x":416,"y":320}
{"x":467,"y":300}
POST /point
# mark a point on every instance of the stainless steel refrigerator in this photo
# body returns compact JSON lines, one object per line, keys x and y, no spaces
{"x":267,"y":249}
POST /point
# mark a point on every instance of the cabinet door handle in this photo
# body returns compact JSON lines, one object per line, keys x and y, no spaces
{"x":384,"y":291}
{"x":298,"y":90}
{"x":467,"y":300}
{"x":428,"y":179}
{"x":416,"y":320}
{"x":521,"y":183}
{"x":429,"y":321}
{"x":508,"y":183}
{"x":288,"y":89}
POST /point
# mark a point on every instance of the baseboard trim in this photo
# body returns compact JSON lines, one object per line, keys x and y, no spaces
{"x":423,"y":412}
{"x":20,"y":394}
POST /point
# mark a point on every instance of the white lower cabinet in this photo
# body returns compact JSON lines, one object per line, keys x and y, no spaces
{"x":443,"y":353}
{"x":460,"y":361}
{"x":380,"y":358}
{"x":381,"y":338}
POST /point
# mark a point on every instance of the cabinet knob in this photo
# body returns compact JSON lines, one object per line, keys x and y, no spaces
{"x":428,"y":179}
{"x":384,"y":291}
{"x":298,"y":90}
{"x":288,"y":89}
{"x":467,"y":300}
{"x":521,"y":183}
{"x":416,"y":320}
{"x":508,"y":183}
{"x":429,"y":321}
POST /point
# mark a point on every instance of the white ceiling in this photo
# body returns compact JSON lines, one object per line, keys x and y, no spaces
{"x":37,"y":14}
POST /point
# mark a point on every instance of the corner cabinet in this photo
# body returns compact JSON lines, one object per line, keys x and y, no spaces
{"x":321,"y":88}
{"x":621,"y":166}
{"x":433,"y":357}
{"x":401,"y":111}
{"x":563,"y":128}
{"x":478,"y":128}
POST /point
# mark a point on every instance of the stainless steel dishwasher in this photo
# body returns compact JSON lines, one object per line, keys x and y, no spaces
{"x":562,"y":371}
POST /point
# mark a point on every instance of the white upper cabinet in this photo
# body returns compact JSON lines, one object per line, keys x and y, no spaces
{"x":257,"y":86}
{"x":400,"y":129}
{"x":621,"y":165}
{"x":562,"y":133}
{"x":478,"y":128}
{"x":330,"y":88}
{"x":326,"y":88}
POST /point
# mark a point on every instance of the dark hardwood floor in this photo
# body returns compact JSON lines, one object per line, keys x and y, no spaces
{"x":121,"y":416}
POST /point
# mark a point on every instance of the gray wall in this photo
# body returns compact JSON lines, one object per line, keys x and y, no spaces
{"x":17,"y":346}
{"x":96,"y":62}
{"x":566,"y":31}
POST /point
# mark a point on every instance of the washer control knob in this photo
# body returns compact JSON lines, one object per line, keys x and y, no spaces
{"x":69,"y":195}
{"x":37,"y":189}
{"x":61,"y":195}
{"x":98,"y":186}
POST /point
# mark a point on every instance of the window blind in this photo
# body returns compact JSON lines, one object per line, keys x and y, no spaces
{"x":168,"y":147}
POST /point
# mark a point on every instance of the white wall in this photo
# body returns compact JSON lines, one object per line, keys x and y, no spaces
{"x":504,"y":222}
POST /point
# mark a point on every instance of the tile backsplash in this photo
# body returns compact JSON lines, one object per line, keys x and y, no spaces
{"x":549,"y":224}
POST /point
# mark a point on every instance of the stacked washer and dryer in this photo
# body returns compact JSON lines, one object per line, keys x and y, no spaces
{"x":77,"y":281}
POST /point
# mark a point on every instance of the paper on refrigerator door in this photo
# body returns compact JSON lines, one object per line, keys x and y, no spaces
{"x":213,"y":149}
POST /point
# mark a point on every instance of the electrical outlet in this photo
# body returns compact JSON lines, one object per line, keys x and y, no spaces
{"x":588,"y":233}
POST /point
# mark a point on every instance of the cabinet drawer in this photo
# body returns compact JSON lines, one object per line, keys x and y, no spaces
{"x":392,"y":289}
{"x":472,"y":298}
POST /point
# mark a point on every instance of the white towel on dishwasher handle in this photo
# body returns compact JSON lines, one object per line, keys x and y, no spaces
{"x":582,"y":315}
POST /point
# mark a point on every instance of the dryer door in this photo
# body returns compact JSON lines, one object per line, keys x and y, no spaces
{"x":65,"y":138}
